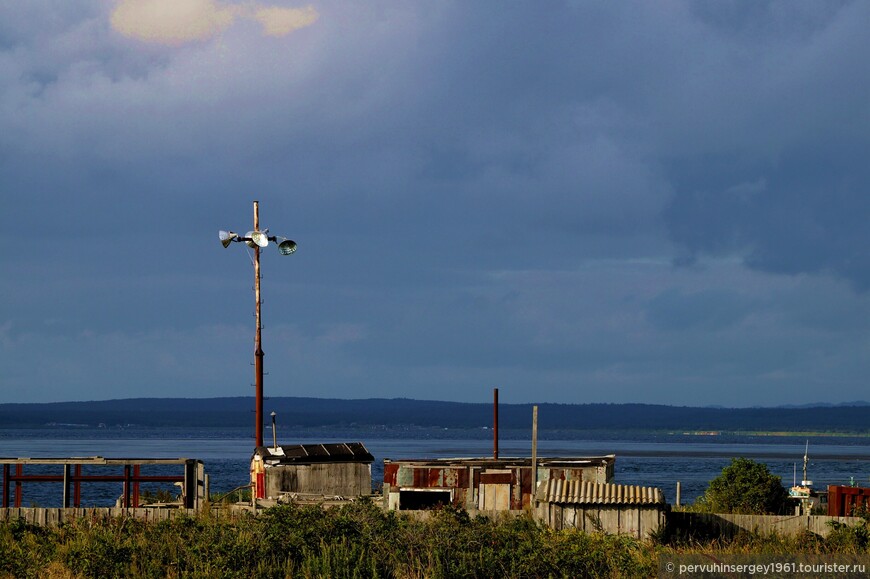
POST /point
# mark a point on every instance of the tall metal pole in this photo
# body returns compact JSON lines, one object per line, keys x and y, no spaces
{"x":274,"y":433}
{"x":534,"y":451}
{"x":256,"y":240}
{"x":258,"y":342}
{"x":495,"y":423}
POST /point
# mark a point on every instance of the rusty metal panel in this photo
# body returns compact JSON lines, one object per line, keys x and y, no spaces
{"x":391,"y":471}
{"x":421,"y":478}
{"x":517,"y":488}
{"x":557,"y":474}
{"x":462,"y":477}
{"x":434,"y":477}
{"x":843,"y":500}
{"x":496,"y":478}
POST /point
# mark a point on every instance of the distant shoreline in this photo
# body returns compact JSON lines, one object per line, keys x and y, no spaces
{"x":421,"y":415}
{"x":794,"y":433}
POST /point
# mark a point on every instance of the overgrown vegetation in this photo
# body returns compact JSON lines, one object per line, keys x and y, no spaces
{"x":358,"y":540}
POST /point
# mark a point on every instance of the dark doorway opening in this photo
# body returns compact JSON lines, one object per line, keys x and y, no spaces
{"x":419,"y":500}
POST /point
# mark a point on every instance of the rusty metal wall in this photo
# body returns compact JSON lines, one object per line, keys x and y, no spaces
{"x":843,"y":501}
{"x":464,"y":479}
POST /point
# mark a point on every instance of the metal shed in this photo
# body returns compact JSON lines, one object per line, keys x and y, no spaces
{"x":485,"y":484}
{"x":611,"y":508}
{"x":320,"y":470}
{"x":843,"y":501}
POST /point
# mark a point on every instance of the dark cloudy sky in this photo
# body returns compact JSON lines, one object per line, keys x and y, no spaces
{"x":659,"y":202}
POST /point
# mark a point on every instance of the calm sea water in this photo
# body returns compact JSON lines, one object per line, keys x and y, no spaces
{"x":658,"y":460}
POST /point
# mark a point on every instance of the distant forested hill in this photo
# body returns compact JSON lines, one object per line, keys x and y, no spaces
{"x":316,"y":412}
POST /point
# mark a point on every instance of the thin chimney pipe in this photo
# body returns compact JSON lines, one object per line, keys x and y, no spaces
{"x":274,"y":433}
{"x":495,"y":423}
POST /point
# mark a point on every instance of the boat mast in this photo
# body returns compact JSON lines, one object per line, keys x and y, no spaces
{"x":806,"y":460}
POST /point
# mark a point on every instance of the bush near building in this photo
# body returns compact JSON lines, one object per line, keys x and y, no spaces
{"x":744,"y":487}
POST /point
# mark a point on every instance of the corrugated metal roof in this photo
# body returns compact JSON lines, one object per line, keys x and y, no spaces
{"x":507,"y":462}
{"x":306,"y":453}
{"x":590,"y":493}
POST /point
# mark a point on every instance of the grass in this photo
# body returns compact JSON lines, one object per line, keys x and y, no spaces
{"x":360,"y":540}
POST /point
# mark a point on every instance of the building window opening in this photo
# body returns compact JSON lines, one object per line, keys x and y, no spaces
{"x":419,"y":500}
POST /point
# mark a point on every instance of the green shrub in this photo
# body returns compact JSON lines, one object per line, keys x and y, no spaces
{"x":744,"y":487}
{"x":359,"y":540}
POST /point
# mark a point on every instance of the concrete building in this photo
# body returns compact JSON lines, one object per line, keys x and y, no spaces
{"x":312,"y":470}
{"x":482,"y":484}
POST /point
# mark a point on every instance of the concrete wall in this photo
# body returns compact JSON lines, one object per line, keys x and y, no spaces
{"x":636,"y":520}
{"x":346,"y":479}
{"x":726,"y":525}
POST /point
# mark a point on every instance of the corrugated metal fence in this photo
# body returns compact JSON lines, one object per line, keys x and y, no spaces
{"x":725,"y":525}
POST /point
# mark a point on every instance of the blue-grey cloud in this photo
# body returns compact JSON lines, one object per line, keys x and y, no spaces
{"x":483,"y":195}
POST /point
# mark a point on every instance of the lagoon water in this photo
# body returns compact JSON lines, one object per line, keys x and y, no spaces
{"x":641,"y":458}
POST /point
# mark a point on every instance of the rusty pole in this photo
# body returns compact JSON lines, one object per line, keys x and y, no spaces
{"x":258,"y":342}
{"x":258,"y":240}
{"x":534,"y":451}
{"x":495,"y":423}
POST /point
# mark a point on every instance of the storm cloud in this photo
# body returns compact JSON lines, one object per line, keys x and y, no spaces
{"x":576,"y":202}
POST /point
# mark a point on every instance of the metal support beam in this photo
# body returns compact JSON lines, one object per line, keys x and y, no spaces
{"x":77,"y":486}
{"x":66,"y":485}
{"x":5,"y":486}
{"x":127,"y":478}
{"x":19,"y":471}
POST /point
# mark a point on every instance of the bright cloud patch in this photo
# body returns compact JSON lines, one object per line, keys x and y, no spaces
{"x":178,"y":21}
{"x":280,"y":21}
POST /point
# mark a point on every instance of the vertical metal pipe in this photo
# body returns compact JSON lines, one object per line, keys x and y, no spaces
{"x":495,"y":423}
{"x":534,"y":452}
{"x":19,"y":471}
{"x":66,"y":489}
{"x":258,"y":343}
{"x":188,"y":488}
{"x":126,"y":486}
{"x":77,"y":486}
{"x":137,"y":471}
{"x":274,"y":433}
{"x":679,"y":489}
{"x":5,"y":486}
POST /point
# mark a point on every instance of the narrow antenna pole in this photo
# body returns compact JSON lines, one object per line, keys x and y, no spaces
{"x":806,"y":460}
{"x":258,"y":342}
{"x":495,"y":423}
{"x":534,"y":452}
{"x":274,"y":433}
